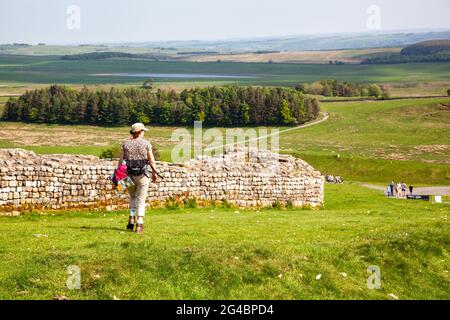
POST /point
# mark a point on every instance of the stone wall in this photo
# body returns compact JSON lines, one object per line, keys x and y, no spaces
{"x":242,"y":177}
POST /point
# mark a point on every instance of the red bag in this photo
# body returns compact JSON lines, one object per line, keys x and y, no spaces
{"x":120,"y":173}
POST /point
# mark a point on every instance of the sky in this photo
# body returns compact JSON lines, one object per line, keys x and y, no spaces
{"x":109,"y":21}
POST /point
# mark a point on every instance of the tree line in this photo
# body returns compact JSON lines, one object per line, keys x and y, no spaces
{"x":427,"y":51}
{"x":215,"y":106}
{"x":97,"y":56}
{"x":335,"y":88}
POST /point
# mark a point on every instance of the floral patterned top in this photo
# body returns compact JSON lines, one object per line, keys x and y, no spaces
{"x":136,"y":149}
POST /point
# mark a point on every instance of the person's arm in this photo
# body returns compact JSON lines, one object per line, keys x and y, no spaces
{"x":151,"y":159}
{"x":120,"y":158}
{"x":152,"y":163}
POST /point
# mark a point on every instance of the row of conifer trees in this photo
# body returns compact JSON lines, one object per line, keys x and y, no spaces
{"x":215,"y":106}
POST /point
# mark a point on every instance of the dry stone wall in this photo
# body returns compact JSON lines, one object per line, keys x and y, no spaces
{"x":242,"y":177}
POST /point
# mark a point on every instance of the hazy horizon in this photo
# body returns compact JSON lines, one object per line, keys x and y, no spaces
{"x":137,"y":21}
{"x":399,"y":31}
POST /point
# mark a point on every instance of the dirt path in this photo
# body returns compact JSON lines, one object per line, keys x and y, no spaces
{"x":326,"y":115}
{"x":432,"y":191}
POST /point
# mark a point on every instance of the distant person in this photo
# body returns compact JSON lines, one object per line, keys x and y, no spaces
{"x":392,"y":186}
{"x":399,"y":190}
{"x":138,"y":154}
{"x":403,"y":189}
{"x":388,"y":191}
{"x":411,"y":188}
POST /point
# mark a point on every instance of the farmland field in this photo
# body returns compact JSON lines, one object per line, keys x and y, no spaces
{"x":316,"y":57}
{"x":348,"y":56}
{"x":57,"y":50}
{"x":46,"y":70}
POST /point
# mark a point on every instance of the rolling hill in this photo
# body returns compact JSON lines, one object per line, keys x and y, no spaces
{"x":427,"y":51}
{"x":427,"y":47}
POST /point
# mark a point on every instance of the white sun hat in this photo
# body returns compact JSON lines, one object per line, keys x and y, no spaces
{"x":138,"y":127}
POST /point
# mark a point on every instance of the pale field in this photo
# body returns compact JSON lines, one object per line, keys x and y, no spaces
{"x":39,"y":135}
{"x":418,"y":89}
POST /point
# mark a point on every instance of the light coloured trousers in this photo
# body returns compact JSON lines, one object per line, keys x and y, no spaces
{"x":138,"y":194}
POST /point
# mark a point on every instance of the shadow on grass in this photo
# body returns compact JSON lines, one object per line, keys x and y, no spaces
{"x":84,"y":228}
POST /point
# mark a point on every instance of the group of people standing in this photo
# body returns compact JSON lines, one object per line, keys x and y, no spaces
{"x":398,"y":190}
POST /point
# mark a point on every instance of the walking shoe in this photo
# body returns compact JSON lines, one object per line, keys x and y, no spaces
{"x":130,"y":225}
{"x":139,"y":228}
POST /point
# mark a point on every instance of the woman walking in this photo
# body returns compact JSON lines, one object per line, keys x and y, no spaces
{"x":137,"y":152}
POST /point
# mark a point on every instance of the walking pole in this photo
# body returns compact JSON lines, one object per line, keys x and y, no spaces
{"x":154,"y":170}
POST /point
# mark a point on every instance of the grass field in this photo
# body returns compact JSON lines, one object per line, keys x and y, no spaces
{"x":16,"y":70}
{"x":418,"y":89}
{"x":217,"y":253}
{"x":372,"y":141}
{"x":349,"y":56}
{"x":316,"y":57}
{"x":379,"y":130}
{"x":362,"y":141}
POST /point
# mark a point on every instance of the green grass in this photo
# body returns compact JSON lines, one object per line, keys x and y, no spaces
{"x":380,"y":171}
{"x":376,"y":129}
{"x":86,"y":150}
{"x":220,"y":254}
{"x":2,"y":104}
{"x":379,"y":141}
{"x":48,"y":69}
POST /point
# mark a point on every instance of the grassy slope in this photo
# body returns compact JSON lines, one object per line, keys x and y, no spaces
{"x":29,"y":69}
{"x":220,"y":254}
{"x":370,"y":136}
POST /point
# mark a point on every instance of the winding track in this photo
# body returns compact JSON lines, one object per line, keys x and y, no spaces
{"x":326,"y":115}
